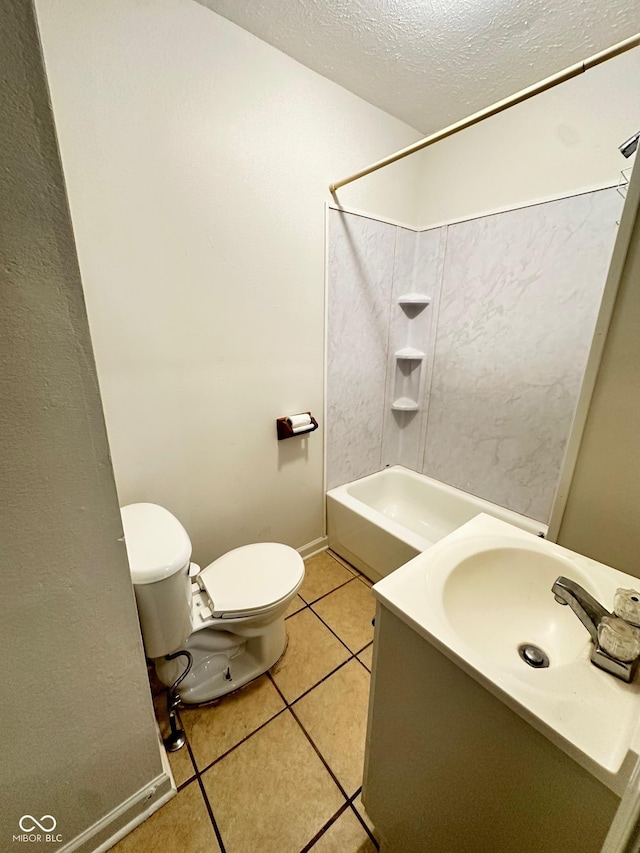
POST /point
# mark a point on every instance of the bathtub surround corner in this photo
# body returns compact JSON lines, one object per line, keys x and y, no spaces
{"x":418,"y":264}
{"x":371,"y":265}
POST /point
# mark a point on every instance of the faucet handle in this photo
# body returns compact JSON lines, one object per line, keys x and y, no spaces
{"x":626,"y":605}
{"x":619,"y":639}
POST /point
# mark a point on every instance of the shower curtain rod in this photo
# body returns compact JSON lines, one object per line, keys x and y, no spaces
{"x":494,"y":109}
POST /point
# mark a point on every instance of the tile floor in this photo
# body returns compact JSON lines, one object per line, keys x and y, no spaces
{"x":277,"y":766}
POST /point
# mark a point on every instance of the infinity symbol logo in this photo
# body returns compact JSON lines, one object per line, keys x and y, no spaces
{"x":28,"y":823}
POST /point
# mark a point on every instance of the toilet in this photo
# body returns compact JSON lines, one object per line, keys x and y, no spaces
{"x":229,"y":616}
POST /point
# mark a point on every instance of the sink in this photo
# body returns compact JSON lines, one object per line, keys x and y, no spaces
{"x":484,"y":591}
{"x":498,"y":598}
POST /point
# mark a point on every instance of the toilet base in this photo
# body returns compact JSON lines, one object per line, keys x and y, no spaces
{"x":224,"y":661}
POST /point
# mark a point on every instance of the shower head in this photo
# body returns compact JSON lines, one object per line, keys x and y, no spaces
{"x":627,"y":148}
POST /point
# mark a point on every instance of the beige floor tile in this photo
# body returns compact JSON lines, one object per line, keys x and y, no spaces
{"x":346,"y":835}
{"x":335,"y":715}
{"x":366,"y":657}
{"x":348,"y":611}
{"x":322,"y":575}
{"x":180,"y":761}
{"x":359,"y":807}
{"x":181,"y":825}
{"x":272,"y":794}
{"x":296,"y":604}
{"x":312,"y":653}
{"x":214,"y":729}
{"x":365,"y":580}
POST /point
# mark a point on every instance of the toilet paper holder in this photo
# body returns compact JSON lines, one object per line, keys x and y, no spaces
{"x":286,"y":426}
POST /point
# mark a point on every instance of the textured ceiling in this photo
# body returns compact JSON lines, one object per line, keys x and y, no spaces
{"x":432,"y":62}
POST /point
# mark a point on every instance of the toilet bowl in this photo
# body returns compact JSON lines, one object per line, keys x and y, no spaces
{"x":229,"y":616}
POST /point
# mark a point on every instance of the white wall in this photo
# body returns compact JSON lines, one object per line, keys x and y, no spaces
{"x":560,"y":142}
{"x":197,"y":159}
{"x":79,"y":734}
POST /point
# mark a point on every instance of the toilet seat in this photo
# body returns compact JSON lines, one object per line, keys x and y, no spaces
{"x":252,"y":579}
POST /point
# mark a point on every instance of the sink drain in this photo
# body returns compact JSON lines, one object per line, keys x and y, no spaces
{"x":533,"y":656}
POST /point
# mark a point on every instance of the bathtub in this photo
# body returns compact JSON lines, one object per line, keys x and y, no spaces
{"x":380,"y":522}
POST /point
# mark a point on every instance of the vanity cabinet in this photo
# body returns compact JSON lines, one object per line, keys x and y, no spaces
{"x":449,"y":768}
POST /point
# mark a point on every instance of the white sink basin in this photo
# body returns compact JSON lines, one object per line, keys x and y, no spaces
{"x":483,"y":591}
{"x":499,"y":598}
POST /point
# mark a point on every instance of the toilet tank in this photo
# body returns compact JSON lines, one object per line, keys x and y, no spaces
{"x":159,"y":552}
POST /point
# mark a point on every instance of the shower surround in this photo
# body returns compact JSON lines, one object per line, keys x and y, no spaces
{"x":513,"y":302}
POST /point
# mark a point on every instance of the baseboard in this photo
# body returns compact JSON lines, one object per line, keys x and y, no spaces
{"x":127,"y":816}
{"x":313,"y":548}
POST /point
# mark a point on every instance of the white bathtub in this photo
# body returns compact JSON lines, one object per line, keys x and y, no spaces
{"x":380,"y":522}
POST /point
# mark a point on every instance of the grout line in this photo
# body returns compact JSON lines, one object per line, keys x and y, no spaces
{"x":309,"y":738}
{"x":325,"y":594}
{"x":343,"y":808}
{"x":363,"y":664}
{"x":375,"y":841}
{"x":329,"y":628}
{"x":211,"y":817}
{"x":350,"y":800}
{"x":280,"y":693}
{"x":183,"y":785}
{"x":336,"y":635}
{"x":198,"y":778}
{"x":318,"y":753}
{"x":188,"y":745}
{"x":318,"y":683}
{"x":324,"y":677}
{"x":304,"y":606}
{"x":352,"y":654}
{"x":244,"y":739}
{"x":361,"y":819}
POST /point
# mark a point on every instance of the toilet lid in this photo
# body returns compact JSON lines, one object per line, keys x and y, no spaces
{"x":157,"y":544}
{"x":252,"y":578}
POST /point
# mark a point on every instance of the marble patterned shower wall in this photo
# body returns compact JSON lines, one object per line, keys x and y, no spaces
{"x":514,"y":299}
{"x":361,"y":261}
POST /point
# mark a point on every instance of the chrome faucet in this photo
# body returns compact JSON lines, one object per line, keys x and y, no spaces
{"x":590,"y":612}
{"x":587,"y":609}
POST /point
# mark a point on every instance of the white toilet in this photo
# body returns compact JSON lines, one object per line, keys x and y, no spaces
{"x":229,"y":616}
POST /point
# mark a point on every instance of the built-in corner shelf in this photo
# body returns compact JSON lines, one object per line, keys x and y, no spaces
{"x":409,"y":360}
{"x":414,"y":299}
{"x":405,"y":404}
{"x":410,"y":354}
